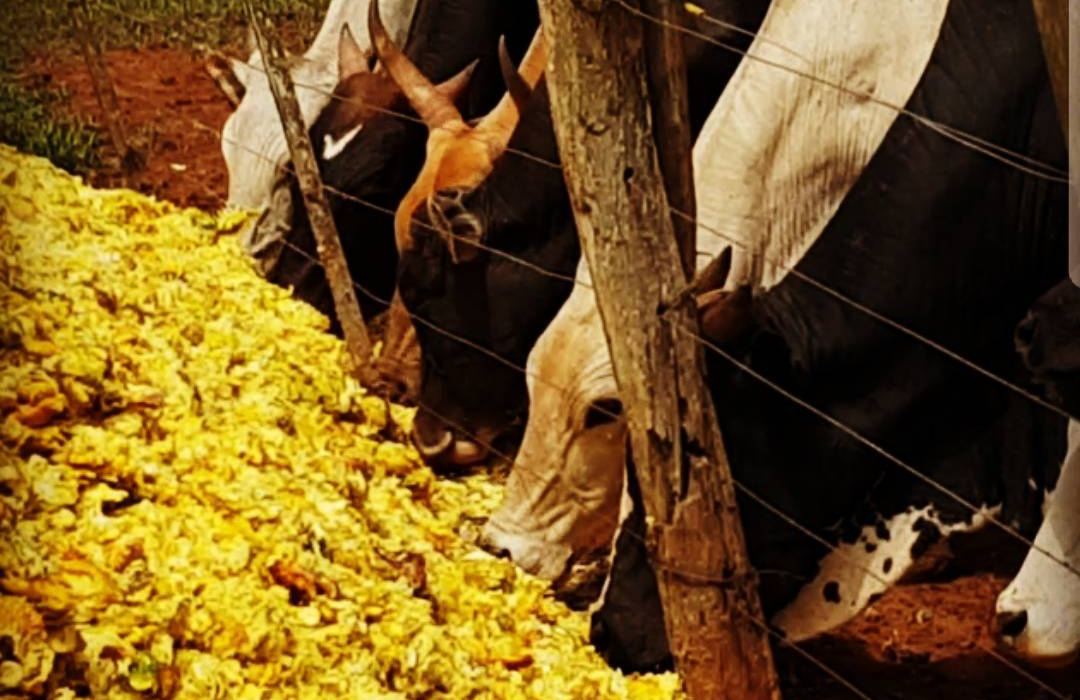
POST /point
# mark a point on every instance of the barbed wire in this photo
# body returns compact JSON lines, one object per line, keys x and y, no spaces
{"x":873,"y":446}
{"x":537,"y":480}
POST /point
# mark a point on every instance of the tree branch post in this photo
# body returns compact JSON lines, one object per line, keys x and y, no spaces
{"x":602,"y":123}
{"x":130,"y":159}
{"x":318,"y":210}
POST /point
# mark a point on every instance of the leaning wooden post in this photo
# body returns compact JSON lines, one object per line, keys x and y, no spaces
{"x":131,"y":159}
{"x":318,"y":210}
{"x":598,"y":93}
{"x":666,"y":73}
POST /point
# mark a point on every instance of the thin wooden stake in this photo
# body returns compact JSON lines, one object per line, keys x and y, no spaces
{"x":318,"y":210}
{"x":666,"y":72}
{"x":600,"y":109}
{"x":104,"y":89}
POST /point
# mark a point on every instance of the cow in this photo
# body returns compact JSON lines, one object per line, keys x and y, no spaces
{"x":253,"y":143}
{"x":896,"y":216}
{"x":1038,"y":613}
{"x":472,"y":392}
{"x":369,"y":149}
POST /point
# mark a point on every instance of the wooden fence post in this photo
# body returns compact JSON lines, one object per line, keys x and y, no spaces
{"x":318,"y":210}
{"x":601,"y":112}
{"x":131,"y":159}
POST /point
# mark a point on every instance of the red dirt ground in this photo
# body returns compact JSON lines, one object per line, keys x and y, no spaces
{"x":919,"y":641}
{"x":164,"y":95}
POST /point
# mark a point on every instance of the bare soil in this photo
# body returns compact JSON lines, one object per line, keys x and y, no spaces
{"x":172,"y":111}
{"x":921,"y":641}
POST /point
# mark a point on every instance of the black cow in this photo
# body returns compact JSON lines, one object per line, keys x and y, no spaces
{"x":373,"y":155}
{"x":523,"y":209}
{"x":945,"y":241}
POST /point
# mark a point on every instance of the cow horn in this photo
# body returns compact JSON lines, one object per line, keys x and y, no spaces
{"x":435,"y":108}
{"x":517,"y":87}
{"x":725,"y":317}
{"x":226,"y":73}
{"x":351,"y":58}
{"x":452,"y":87}
{"x":501,"y":121}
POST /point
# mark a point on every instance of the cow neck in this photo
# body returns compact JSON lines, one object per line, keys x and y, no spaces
{"x":779,"y":152}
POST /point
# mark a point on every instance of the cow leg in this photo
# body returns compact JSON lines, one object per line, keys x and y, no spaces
{"x":1038,"y":614}
{"x":398,"y":365}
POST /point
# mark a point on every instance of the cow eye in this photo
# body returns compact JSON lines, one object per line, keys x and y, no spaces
{"x":603,"y":412}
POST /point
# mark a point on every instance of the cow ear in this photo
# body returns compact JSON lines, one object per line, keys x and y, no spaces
{"x":454,"y":87}
{"x":229,"y":74}
{"x":351,"y":58}
{"x":725,"y":316}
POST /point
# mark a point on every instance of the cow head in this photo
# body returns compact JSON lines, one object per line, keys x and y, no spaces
{"x":562,"y":497}
{"x":459,"y":157}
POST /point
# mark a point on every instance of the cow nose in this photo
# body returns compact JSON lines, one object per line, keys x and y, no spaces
{"x":1010,"y":624}
{"x":432,"y":446}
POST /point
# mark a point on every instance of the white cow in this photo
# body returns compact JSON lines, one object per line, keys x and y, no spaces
{"x":253,"y":142}
{"x":774,"y":161}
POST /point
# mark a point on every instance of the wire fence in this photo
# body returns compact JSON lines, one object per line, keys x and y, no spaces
{"x":1021,"y":162}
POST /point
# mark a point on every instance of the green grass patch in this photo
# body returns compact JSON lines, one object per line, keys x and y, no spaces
{"x":33,"y":120}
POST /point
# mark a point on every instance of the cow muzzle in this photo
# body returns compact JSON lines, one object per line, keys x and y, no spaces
{"x":442,"y":447}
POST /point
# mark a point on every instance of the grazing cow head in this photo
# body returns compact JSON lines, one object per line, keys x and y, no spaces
{"x":459,"y":157}
{"x":562,"y":497}
{"x":1038,"y":614}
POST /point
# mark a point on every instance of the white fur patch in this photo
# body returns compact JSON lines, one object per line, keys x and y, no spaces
{"x":1047,"y":592}
{"x":855,"y":575}
{"x":780,"y":152}
{"x":332,"y":147}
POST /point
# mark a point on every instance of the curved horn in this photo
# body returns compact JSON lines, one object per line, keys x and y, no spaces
{"x":228,"y":74}
{"x":453,"y":87}
{"x":500,"y":122}
{"x":517,"y":87}
{"x":433,"y":107}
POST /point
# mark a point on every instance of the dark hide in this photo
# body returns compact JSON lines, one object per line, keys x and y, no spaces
{"x":523,"y":209}
{"x":382,"y":161}
{"x":1049,"y":341}
{"x":947,"y":242}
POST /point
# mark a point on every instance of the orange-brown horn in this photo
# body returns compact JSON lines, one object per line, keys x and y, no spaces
{"x":497,"y":126}
{"x":453,"y":87}
{"x":515,"y":84}
{"x":433,"y":106}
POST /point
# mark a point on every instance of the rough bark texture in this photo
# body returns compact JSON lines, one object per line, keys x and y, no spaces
{"x":597,"y":85}
{"x":318,"y":210}
{"x":104,"y":89}
{"x":666,"y":74}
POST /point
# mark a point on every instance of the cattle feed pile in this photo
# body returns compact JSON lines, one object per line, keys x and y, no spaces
{"x":197,"y":502}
